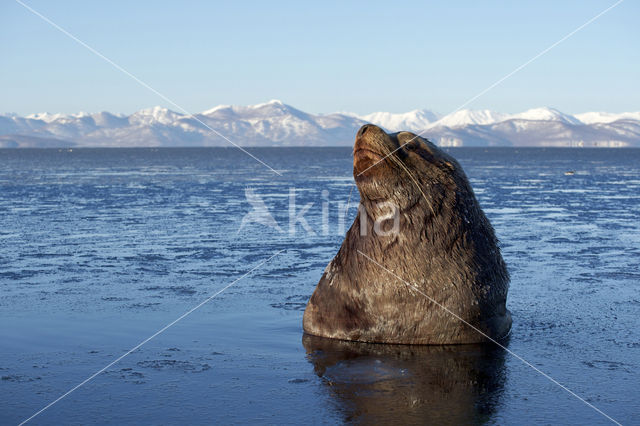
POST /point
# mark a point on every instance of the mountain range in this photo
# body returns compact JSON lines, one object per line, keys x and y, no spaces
{"x":277,"y":124}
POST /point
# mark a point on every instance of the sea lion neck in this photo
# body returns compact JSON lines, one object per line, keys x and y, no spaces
{"x":374,"y":205}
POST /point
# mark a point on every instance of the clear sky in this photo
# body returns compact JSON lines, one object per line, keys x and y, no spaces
{"x":320,"y":57}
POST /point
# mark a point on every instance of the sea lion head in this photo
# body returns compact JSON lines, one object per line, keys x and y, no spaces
{"x":404,"y":169}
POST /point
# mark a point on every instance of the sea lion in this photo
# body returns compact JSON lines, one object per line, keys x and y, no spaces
{"x":440,"y":279}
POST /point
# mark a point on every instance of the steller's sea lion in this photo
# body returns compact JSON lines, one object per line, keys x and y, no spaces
{"x":441,"y":243}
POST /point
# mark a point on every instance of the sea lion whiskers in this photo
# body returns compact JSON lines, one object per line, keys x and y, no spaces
{"x":415,"y":182}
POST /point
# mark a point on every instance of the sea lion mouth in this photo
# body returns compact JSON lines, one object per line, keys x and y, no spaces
{"x":367,"y":153}
{"x":364,"y":160}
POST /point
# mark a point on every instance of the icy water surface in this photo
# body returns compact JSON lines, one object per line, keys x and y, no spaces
{"x":99,"y":249}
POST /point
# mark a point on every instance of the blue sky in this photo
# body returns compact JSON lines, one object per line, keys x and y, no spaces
{"x":321,"y":57}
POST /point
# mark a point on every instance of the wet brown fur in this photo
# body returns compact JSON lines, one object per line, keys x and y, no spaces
{"x":445,"y":246}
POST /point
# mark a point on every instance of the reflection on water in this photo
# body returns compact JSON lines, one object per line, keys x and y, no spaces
{"x":459,"y":384}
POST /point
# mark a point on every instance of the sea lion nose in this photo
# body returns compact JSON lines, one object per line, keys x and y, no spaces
{"x":363,"y":130}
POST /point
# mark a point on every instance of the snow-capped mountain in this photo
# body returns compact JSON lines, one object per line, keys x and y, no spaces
{"x":413,"y":120}
{"x":277,"y":124}
{"x":268,"y":124}
{"x":154,"y":115}
{"x":606,"y":117}
{"x":466,"y":117}
{"x":544,"y":114}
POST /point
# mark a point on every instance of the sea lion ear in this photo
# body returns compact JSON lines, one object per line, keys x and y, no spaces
{"x":405,"y":136}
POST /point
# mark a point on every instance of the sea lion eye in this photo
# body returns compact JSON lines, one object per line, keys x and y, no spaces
{"x":412,"y":145}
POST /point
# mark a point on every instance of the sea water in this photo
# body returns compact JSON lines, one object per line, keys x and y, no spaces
{"x":102,"y":248}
